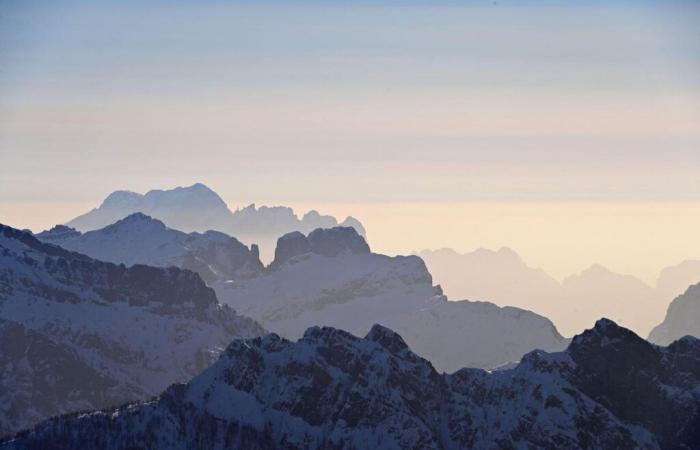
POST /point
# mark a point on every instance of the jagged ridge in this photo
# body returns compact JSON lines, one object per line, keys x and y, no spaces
{"x":334,"y":390}
{"x":109,"y":333}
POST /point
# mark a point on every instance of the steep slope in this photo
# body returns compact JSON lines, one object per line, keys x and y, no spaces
{"x":97,"y":334}
{"x":140,"y":239}
{"x":198,"y":208}
{"x":331,"y":278}
{"x":331,"y":390}
{"x":682,"y":318}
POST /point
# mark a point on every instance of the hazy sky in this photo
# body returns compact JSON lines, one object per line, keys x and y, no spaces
{"x":390,"y":110}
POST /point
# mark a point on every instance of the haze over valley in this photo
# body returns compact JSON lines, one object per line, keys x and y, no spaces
{"x":350,"y":225}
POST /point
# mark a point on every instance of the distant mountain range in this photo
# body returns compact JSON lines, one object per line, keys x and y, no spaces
{"x":503,"y":277}
{"x":77,"y":333}
{"x":332,"y":390}
{"x":328,"y":277}
{"x":140,"y":239}
{"x":198,"y":208}
{"x":331,"y":278}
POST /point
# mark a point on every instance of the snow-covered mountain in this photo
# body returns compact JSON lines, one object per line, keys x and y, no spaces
{"x":332,"y":390}
{"x":682,"y":318}
{"x":504,"y":278}
{"x":331,"y":278}
{"x":140,"y":239}
{"x":77,"y":333}
{"x":198,"y":208}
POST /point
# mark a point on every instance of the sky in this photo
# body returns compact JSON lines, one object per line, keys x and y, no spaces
{"x":569,"y":131}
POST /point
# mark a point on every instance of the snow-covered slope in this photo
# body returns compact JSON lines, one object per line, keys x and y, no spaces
{"x":198,"y":208}
{"x":331,"y":278}
{"x":79,"y":333}
{"x":140,"y":239}
{"x":682,"y":318}
{"x":332,"y":390}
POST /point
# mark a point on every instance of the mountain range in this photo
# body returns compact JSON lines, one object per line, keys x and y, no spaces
{"x":77,"y":333}
{"x":501,"y":276}
{"x":198,"y":208}
{"x":332,"y":390}
{"x":140,"y":239}
{"x":328,"y":277}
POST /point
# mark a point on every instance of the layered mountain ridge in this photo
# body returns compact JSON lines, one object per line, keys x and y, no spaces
{"x":502,"y":277}
{"x":330,"y":277}
{"x":141,"y":239}
{"x":332,"y":390}
{"x":80,"y":333}
{"x":198,"y":208}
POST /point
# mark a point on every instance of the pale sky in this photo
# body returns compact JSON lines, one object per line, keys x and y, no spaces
{"x":391,"y":111}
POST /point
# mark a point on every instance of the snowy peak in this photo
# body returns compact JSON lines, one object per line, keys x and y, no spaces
{"x":137,"y":285}
{"x":387,"y":338}
{"x":122,"y":200}
{"x":325,"y":242}
{"x":141,"y":239}
{"x":107,"y":333}
{"x":356,"y":289}
{"x":58,"y":234}
{"x":136,"y":222}
{"x":606,"y":333}
{"x":193,"y":207}
{"x":198,"y":208}
{"x":334,"y":390}
{"x":197,"y":196}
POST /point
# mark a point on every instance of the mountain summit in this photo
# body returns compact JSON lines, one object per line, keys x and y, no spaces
{"x":330,"y":277}
{"x":332,"y":390}
{"x":77,"y":333}
{"x":141,"y":239}
{"x":198,"y":208}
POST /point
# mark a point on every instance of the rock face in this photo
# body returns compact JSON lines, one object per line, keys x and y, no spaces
{"x":198,"y":208}
{"x":332,"y":390}
{"x":682,"y":318}
{"x":140,"y":239}
{"x":78,"y":333}
{"x":325,"y":242}
{"x":331,"y":278}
